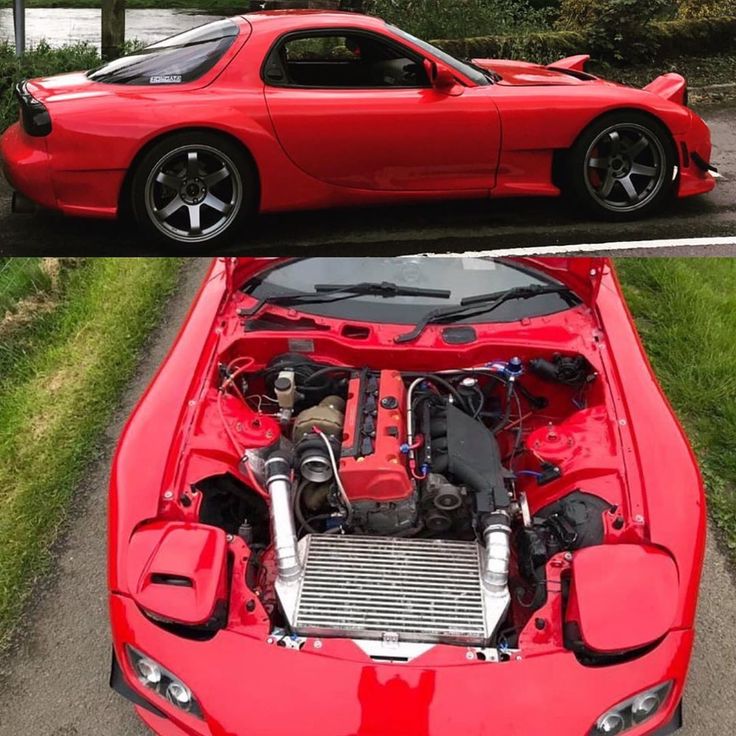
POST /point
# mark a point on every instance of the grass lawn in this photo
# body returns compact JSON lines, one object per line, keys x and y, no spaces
{"x":62,"y":369}
{"x":686,"y":314}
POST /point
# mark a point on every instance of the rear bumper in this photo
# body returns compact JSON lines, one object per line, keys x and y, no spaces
{"x":30,"y":167}
{"x":26,"y":166}
{"x":246,"y":686}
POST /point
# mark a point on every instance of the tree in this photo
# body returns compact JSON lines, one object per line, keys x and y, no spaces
{"x":113,"y":28}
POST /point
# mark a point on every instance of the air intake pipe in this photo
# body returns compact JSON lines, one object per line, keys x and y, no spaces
{"x":497,"y":538}
{"x":278,"y":482}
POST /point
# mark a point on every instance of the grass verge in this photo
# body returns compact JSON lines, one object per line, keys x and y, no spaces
{"x":57,"y":393}
{"x":685,"y":310}
{"x":20,"y":278}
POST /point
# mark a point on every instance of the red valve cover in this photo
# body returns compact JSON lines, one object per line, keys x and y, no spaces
{"x":372,"y":466}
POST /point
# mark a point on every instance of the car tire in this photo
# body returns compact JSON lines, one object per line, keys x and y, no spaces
{"x":194,"y":190}
{"x":623,"y":166}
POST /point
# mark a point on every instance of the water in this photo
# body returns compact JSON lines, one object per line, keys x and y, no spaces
{"x":59,"y":26}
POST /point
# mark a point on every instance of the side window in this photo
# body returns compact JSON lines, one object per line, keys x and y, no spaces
{"x":342,"y":60}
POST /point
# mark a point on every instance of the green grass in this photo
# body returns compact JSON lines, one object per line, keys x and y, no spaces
{"x":20,"y":278}
{"x":686,"y":314}
{"x":69,"y":367}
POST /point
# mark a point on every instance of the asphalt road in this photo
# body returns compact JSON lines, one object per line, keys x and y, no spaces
{"x":439,"y":227}
{"x":54,"y":683}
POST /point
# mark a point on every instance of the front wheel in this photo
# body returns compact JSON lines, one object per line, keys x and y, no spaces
{"x":623,"y":166}
{"x":193,"y":189}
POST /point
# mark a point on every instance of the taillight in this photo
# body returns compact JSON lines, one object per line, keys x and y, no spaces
{"x":34,"y":114}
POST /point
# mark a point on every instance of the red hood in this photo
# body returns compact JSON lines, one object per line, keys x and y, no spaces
{"x":521,"y":73}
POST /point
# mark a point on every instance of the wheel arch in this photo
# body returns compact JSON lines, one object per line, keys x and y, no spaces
{"x":124,"y":195}
{"x":559,"y":159}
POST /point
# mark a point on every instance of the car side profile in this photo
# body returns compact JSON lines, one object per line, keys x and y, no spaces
{"x":288,"y":110}
{"x":449,"y":498}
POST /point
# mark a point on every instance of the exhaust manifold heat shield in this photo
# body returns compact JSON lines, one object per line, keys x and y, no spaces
{"x":413,"y":590}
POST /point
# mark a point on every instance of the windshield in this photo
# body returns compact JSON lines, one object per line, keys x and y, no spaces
{"x":463,"y":277}
{"x":471,"y":72}
{"x":175,"y":60}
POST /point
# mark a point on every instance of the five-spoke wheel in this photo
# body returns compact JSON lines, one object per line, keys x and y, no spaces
{"x":191,"y":189}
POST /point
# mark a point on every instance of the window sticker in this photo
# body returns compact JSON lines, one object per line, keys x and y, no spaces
{"x":166,"y":79}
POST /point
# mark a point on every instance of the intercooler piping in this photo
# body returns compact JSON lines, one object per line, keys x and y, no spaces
{"x":497,"y":538}
{"x":278,"y":482}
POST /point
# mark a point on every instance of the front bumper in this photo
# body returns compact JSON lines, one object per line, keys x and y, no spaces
{"x":695,"y":150}
{"x":246,"y":686}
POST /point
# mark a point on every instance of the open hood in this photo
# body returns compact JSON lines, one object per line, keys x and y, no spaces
{"x":520,"y":73}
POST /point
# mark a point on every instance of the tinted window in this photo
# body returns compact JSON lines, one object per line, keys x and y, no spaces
{"x":178,"y":59}
{"x":462,"y":276}
{"x":343,"y":60}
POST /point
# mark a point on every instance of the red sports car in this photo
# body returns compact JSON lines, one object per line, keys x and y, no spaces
{"x":448,"y":499}
{"x":287,"y":110}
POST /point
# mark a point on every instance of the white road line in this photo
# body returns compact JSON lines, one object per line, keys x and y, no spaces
{"x":588,"y":247}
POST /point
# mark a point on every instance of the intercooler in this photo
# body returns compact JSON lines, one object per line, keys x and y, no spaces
{"x":375,"y":587}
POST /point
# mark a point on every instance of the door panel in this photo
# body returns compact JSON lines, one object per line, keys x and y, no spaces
{"x":390,"y":138}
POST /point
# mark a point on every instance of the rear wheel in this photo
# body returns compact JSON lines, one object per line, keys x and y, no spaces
{"x":194,"y":189}
{"x":623,"y":166}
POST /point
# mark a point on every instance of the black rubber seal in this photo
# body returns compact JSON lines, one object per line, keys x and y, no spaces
{"x":674,"y":725}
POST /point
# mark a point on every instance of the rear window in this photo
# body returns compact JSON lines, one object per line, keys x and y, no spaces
{"x":175,"y":60}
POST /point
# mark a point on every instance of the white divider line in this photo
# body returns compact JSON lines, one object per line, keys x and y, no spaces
{"x":588,"y":247}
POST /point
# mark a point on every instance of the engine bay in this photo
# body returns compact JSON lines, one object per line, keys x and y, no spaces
{"x":406,"y":507}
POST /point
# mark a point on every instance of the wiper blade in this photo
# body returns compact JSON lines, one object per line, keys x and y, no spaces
{"x":473,"y":306}
{"x":493,"y":76}
{"x":328,"y":293}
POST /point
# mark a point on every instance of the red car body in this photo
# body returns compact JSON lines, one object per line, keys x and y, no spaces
{"x":316,"y":148}
{"x":632,"y":452}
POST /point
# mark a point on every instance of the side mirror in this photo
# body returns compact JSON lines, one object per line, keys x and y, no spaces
{"x":441,"y":77}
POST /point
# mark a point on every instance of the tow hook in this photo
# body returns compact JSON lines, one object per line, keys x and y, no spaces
{"x":21,"y":205}
{"x":703,"y":164}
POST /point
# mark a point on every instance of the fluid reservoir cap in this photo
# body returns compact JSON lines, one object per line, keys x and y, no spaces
{"x":282,"y":383}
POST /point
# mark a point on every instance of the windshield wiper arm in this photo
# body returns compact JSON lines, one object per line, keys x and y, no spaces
{"x":473,"y":306}
{"x":328,"y":293}
{"x":384,"y":289}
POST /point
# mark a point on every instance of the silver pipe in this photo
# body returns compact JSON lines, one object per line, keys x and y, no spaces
{"x":278,"y":475}
{"x":497,"y":538}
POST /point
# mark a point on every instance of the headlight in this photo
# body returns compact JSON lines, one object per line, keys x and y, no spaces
{"x":159,"y":680}
{"x":632,"y":712}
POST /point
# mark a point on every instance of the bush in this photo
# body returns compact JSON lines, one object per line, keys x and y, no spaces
{"x":543,"y":48}
{"x":672,"y":39}
{"x":40,"y":61}
{"x":618,"y":29}
{"x":705,"y":8}
{"x":695,"y":37}
{"x":461,"y":18}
